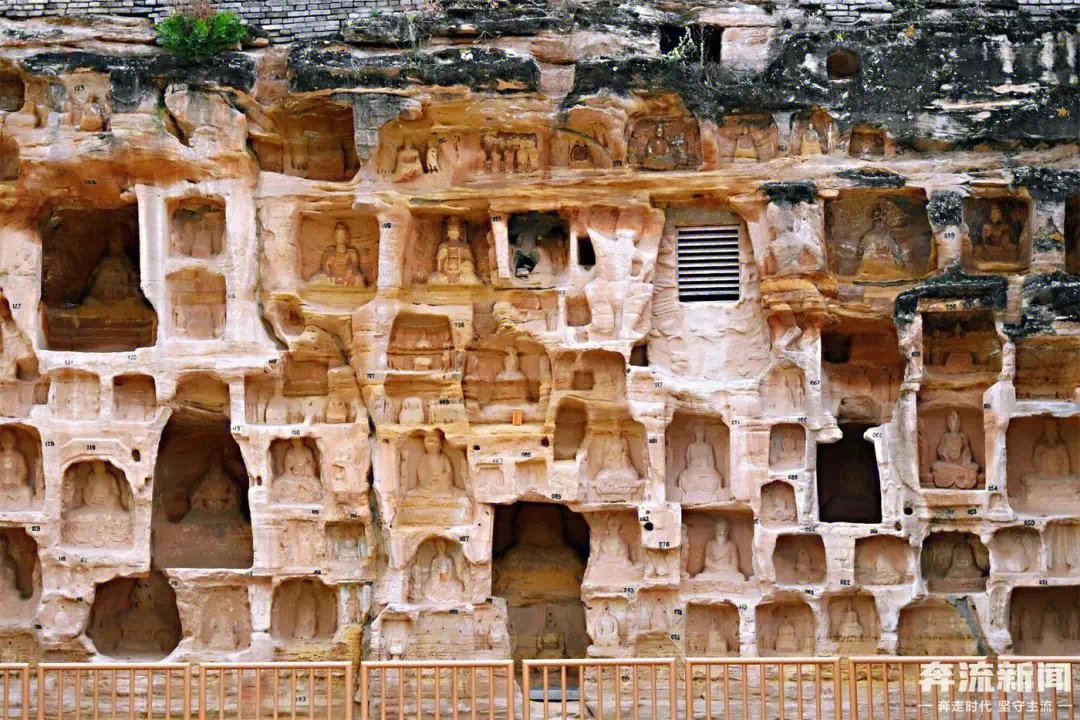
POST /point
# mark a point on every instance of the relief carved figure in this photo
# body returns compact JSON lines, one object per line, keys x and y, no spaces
{"x":16,"y":484}
{"x":721,"y":556}
{"x":1050,"y":455}
{"x":454,"y":263}
{"x":604,"y":629}
{"x":850,"y":627}
{"x":619,"y":294}
{"x":878,"y":252}
{"x":663,"y":144}
{"x":610,"y":562}
{"x":141,"y":625}
{"x":431,"y":487}
{"x":700,"y":478}
{"x":298,"y":478}
{"x":616,"y":475}
{"x":955,"y":562}
{"x":439,"y":573}
{"x":96,"y":506}
{"x":340,"y":262}
{"x":954,"y":466}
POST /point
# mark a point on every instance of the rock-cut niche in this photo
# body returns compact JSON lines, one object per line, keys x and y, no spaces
{"x":90,"y":291}
{"x":540,"y":552}
{"x":22,"y":483}
{"x":200,"y":509}
{"x":20,"y":578}
{"x":303,"y":610}
{"x":135,"y":618}
{"x":848,"y":486}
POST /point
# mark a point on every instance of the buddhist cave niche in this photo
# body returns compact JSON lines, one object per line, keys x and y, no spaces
{"x":778,"y":503}
{"x":961,"y":344}
{"x":1043,"y":464}
{"x":717,"y":549}
{"x":882,"y":560}
{"x":440,"y":574}
{"x":200,"y":515}
{"x":853,"y":623}
{"x":197,"y":304}
{"x":999,"y":237}
{"x":712,"y":630}
{"x":609,"y":622}
{"x":863,"y":369}
{"x":1063,"y":548}
{"x":747,"y":138}
{"x":9,"y":158}
{"x":135,"y":618}
{"x":97,"y":506}
{"x":936,"y":628}
{"x":1047,"y":368}
{"x":431,"y":482}
{"x":799,"y":559}
{"x":812,"y":133}
{"x":86,"y":101}
{"x":17,"y":359}
{"x":12,"y":91}
{"x":783,"y":390}
{"x":571,"y":421}
{"x":655,"y":626}
{"x":540,"y":553}
{"x":952,"y":448}
{"x":588,"y":139}
{"x":90,"y":291}
{"x":299,"y":544}
{"x":134,"y":398}
{"x":448,"y":251}
{"x":422,"y":343}
{"x":223,"y":619}
{"x":877,"y":236}
{"x":20,"y":579}
{"x":75,"y":395}
{"x":1016,"y":550}
{"x":1045,"y":620}
{"x":1072,"y":235}
{"x":698,"y":469}
{"x":307,"y":392}
{"x":511,"y":152}
{"x":954,"y":562}
{"x":22,"y":479}
{"x":507,"y":383}
{"x":297,"y":471}
{"x":350,"y":544}
{"x":337,"y":252}
{"x":785,"y":627}
{"x":848,"y":485}
{"x":313,"y":141}
{"x":616,"y":557}
{"x":198,"y":228}
{"x":656,"y":142}
{"x":616,"y":462}
{"x":787,"y":448}
{"x":413,"y":401}
{"x":870,"y":141}
{"x":303,"y":610}
{"x":538,"y":248}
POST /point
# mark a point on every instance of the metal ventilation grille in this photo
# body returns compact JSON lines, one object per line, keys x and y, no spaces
{"x":708,"y":262}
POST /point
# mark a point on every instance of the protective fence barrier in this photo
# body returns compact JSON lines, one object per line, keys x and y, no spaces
{"x":763,"y":688}
{"x":859,"y":688}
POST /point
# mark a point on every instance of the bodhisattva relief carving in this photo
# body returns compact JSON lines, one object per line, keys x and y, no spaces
{"x":877,"y":237}
{"x":198,"y":229}
{"x":783,"y":390}
{"x":752,"y":138}
{"x":303,"y":610}
{"x":785,"y":628}
{"x":338,"y":251}
{"x":22,"y":482}
{"x":663,"y":143}
{"x":1016,"y":550}
{"x":697,"y":463}
{"x":97,"y":506}
{"x":882,"y":560}
{"x":135,"y":618}
{"x":431,"y":487}
{"x":998,"y":232}
{"x":955,"y":562}
{"x":90,"y":282}
{"x":799,"y":559}
{"x":1043,"y":464}
{"x":197,"y":298}
{"x":510,"y":152}
{"x":454,"y":261}
{"x":297,"y":478}
{"x":934,"y":629}
{"x":951,"y":448}
{"x":813,"y":133}
{"x":1045,"y":621}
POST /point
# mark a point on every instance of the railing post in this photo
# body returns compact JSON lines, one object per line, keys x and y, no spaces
{"x":853,"y":691}
{"x":41,"y":692}
{"x":349,"y":691}
{"x":837,"y":687}
{"x":202,"y":692}
{"x":364,"y":699}
{"x":688,"y":686}
{"x":525,"y":690}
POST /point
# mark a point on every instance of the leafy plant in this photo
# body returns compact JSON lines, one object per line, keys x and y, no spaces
{"x":195,"y":30}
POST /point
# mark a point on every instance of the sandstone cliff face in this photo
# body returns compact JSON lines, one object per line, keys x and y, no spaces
{"x":542,"y":332}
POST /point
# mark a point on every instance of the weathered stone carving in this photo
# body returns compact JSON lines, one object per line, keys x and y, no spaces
{"x":955,"y":562}
{"x":97,"y":506}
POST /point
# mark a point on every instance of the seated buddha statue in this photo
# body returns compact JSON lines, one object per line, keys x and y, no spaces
{"x":954,"y":466}
{"x":442,"y":584}
{"x":340,"y":263}
{"x":215,"y":492}
{"x":1050,"y":456}
{"x":700,"y":480}
{"x":787,"y":638}
{"x":617,"y":476}
{"x":878,"y":253}
{"x":454,"y":264}
{"x":850,"y":628}
{"x":142,"y":629}
{"x":432,"y":492}
{"x":10,"y":596}
{"x":101,"y":519}
{"x":550,"y":641}
{"x":721,"y":555}
{"x":15,"y":489}
{"x":611,"y":561}
{"x":114,"y":279}
{"x":299,"y":478}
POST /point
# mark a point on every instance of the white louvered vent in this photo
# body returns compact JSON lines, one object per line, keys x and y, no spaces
{"x":708,"y":262}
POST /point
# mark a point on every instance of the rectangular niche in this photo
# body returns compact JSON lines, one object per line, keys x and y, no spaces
{"x":337,"y":251}
{"x":934,"y":628}
{"x":882,"y":560}
{"x":878,"y":236}
{"x":134,"y":397}
{"x":954,"y":562}
{"x":963,"y":345}
{"x":1043,"y":464}
{"x":316,"y":142}
{"x":863,"y":367}
{"x":349,"y":544}
{"x":447,"y":251}
{"x":90,"y":285}
{"x":1047,"y":368}
{"x":198,"y":228}
{"x":503,"y":382}
{"x":538,"y":248}
{"x":1063,"y":548}
{"x":75,"y":395}
{"x":999,"y":237}
{"x":787,"y":448}
{"x":197,"y":302}
{"x":717,"y":547}
{"x":698,"y":451}
{"x":848,"y":483}
{"x":799,"y":559}
{"x":785,"y":628}
{"x":712,"y":630}
{"x":1016,"y":550}
{"x":22,"y":481}
{"x":421,"y":343}
{"x":224,"y":619}
{"x":952,"y":447}
{"x":854,"y":624}
{"x":1045,"y":620}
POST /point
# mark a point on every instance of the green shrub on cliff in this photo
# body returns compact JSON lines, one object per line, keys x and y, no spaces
{"x":196,"y":31}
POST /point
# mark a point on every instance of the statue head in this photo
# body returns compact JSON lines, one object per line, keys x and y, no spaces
{"x":880,"y":214}
{"x":699,"y":431}
{"x":342,"y":236}
{"x":995,"y":213}
{"x":454,"y":230}
{"x":953,"y":421}
{"x":7,"y":440}
{"x":612,"y":525}
{"x":97,"y":467}
{"x":723,"y":529}
{"x":1050,"y":430}
{"x":963,"y":556}
{"x":118,"y":240}
{"x":432,"y":442}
